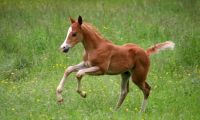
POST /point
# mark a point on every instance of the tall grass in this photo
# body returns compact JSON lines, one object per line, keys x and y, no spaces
{"x":31,"y":64}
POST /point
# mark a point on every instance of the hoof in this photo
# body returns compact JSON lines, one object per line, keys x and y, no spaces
{"x":60,"y":101}
{"x":83,"y":94}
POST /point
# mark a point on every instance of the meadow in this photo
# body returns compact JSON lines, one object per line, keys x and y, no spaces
{"x":31,"y":64}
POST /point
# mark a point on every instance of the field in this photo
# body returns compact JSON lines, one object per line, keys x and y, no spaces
{"x":31,"y":64}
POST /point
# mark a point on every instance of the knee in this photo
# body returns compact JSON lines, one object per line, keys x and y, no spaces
{"x":80,"y":73}
{"x":147,"y":87}
{"x":146,"y":93}
{"x":68,"y":70}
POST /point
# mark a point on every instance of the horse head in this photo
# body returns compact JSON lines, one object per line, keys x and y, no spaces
{"x":74,"y":35}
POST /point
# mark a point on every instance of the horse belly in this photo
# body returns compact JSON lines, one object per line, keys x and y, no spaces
{"x":119,"y":67}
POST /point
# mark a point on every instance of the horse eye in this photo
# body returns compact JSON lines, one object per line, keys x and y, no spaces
{"x":73,"y":34}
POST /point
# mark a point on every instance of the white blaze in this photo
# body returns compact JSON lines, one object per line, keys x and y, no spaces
{"x":64,"y":43}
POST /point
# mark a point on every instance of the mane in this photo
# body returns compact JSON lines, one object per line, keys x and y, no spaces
{"x":92,"y":30}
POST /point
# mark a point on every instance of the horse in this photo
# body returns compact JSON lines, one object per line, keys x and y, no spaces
{"x":102,"y":57}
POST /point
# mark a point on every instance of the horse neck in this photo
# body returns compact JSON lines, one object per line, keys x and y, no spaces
{"x":91,"y":40}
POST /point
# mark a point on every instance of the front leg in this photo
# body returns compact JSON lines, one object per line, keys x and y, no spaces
{"x":92,"y":70}
{"x":67,"y":72}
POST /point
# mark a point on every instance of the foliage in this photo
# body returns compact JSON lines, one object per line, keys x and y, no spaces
{"x":31,"y":65}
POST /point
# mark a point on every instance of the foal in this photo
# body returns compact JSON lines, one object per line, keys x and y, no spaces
{"x":103,"y":57}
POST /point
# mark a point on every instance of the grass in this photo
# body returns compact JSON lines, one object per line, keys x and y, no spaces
{"x":31,"y":65}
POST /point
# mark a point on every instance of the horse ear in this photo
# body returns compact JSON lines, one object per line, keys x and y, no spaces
{"x":72,"y":20}
{"x":80,"y":21}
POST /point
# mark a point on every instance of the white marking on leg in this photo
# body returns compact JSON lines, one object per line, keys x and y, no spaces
{"x":60,"y":88}
{"x":79,"y":75}
{"x":143,"y":106}
{"x":61,"y":84}
{"x":69,"y":70}
{"x":65,"y":41}
{"x":79,"y":88}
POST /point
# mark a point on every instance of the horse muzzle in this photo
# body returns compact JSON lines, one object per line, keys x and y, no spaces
{"x":65,"y":49}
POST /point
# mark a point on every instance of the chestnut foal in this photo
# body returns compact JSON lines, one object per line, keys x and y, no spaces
{"x":103,"y":57}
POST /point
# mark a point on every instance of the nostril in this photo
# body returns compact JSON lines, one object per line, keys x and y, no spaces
{"x":65,"y":50}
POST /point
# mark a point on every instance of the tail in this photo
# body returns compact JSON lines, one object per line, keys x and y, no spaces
{"x":160,"y":46}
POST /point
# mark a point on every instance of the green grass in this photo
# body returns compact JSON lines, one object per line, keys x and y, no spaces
{"x":31,"y":65}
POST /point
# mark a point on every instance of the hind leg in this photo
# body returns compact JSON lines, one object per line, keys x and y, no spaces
{"x":124,"y":88}
{"x":139,"y":77}
{"x":146,"y":91}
